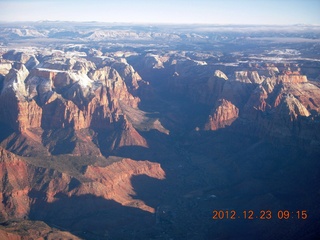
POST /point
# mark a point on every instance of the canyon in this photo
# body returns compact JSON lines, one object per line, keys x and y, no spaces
{"x":141,"y":133}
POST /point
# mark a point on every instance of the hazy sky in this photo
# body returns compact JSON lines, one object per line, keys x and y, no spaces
{"x":165,"y":11}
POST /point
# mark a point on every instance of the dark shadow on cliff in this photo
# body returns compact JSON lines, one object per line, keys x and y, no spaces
{"x":91,"y":217}
{"x":1,"y":82}
{"x":161,"y":148}
{"x":150,"y":190}
{"x":263,"y":174}
{"x":5,"y":131}
{"x":242,"y":173}
{"x":213,"y":170}
{"x":59,"y":141}
{"x":176,"y":113}
{"x":221,"y":170}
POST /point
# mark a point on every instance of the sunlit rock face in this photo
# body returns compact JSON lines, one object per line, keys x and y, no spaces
{"x":20,"y":183}
{"x":271,"y":99}
{"x":68,"y":92}
{"x":224,"y":115}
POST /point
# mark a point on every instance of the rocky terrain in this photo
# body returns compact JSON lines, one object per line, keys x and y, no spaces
{"x":119,"y":132}
{"x":32,"y":230}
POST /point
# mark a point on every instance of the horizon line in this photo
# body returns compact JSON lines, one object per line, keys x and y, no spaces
{"x":162,"y":23}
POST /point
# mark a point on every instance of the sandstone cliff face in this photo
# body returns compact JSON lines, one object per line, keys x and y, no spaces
{"x":24,"y":184}
{"x":224,"y":115}
{"x":113,"y":182}
{"x":129,"y":75}
{"x":5,"y":67}
{"x":15,"y":108}
{"x":27,"y":188}
{"x":15,"y":186}
{"x":9,"y":236}
{"x":153,"y":61}
{"x":264,"y":97}
{"x":214,"y":87}
{"x":284,"y":108}
{"x":220,"y":74}
{"x":67,"y":91}
{"x":48,"y":85}
{"x":258,"y":100}
{"x":247,"y":76}
{"x":126,"y":135}
{"x":292,"y":78}
{"x":25,"y":230}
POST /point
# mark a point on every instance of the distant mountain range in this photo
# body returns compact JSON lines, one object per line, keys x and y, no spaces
{"x":94,"y":31}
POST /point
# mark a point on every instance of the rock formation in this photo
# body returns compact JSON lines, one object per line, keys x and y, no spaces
{"x":264,"y":97}
{"x":65,"y":92}
{"x":25,"y":229}
{"x":224,"y":115}
{"x":22,"y":181}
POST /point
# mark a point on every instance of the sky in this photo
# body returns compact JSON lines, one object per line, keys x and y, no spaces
{"x":266,"y":12}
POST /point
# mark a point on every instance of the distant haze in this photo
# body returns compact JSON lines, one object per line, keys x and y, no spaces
{"x":270,"y":12}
